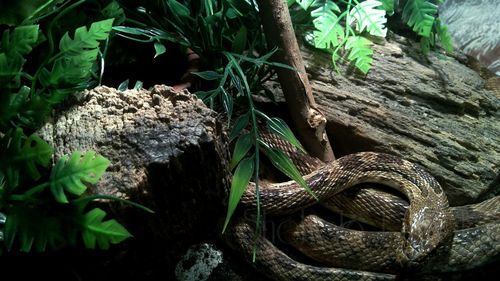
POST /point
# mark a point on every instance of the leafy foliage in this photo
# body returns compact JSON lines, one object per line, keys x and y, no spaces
{"x":101,"y":233}
{"x":338,"y":27}
{"x":367,"y":16}
{"x":46,"y":208}
{"x":70,"y":173}
{"x":329,"y":33}
{"x":420,"y":15}
{"x":337,"y":30}
{"x":360,"y":52}
{"x":72,"y":67}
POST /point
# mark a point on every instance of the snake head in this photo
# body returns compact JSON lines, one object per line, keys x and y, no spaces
{"x":424,"y":230}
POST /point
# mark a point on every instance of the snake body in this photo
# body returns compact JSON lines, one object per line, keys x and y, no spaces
{"x":374,"y":251}
{"x":428,"y":210}
{"x":427,"y":224}
{"x":376,"y":207}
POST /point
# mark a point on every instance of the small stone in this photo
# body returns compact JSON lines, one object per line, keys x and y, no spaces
{"x":198,"y":263}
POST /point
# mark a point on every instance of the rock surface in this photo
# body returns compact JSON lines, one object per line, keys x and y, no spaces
{"x":433,"y":111}
{"x":166,"y":153}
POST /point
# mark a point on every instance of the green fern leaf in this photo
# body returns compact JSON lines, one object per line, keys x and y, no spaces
{"x":31,"y":228}
{"x":28,"y":152}
{"x":14,"y":46}
{"x":24,"y":154}
{"x":329,"y":33}
{"x":305,"y":4}
{"x":86,"y":39}
{"x":388,"y":6}
{"x":102,"y":233}
{"x":72,"y":68}
{"x":360,"y":52}
{"x":444,"y":36}
{"x":69,"y":174}
{"x":367,"y":15}
{"x":420,"y":16}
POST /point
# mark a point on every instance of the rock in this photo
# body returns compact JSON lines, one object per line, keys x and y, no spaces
{"x":211,"y":263}
{"x":167,"y":153}
{"x":198,"y":263}
{"x":433,"y":111}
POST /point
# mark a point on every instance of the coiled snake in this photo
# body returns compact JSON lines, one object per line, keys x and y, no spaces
{"x":427,"y":227}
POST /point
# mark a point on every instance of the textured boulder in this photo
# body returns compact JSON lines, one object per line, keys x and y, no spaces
{"x":166,"y":153}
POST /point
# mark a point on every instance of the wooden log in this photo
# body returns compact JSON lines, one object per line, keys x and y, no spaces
{"x":430,"y":110}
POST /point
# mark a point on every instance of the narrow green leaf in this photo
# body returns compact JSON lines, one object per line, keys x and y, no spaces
{"x":208,"y":75}
{"x":241,"y":178}
{"x":283,"y":163}
{"x":159,"y":49}
{"x":123,"y":86}
{"x":138,"y":85}
{"x":206,"y":95}
{"x":236,"y":82}
{"x":239,"y":125}
{"x":240,"y":41}
{"x":178,"y":9}
{"x":227,"y":103}
{"x":278,"y":126}
{"x":243,"y":145}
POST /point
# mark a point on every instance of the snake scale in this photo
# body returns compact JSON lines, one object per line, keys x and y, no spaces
{"x":427,"y":224}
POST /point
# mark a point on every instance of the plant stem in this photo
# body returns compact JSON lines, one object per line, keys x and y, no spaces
{"x":309,"y":121}
{"x":87,"y":199}
{"x":29,"y":193}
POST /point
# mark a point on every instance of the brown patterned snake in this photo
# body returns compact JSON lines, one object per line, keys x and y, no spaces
{"x":427,"y":225}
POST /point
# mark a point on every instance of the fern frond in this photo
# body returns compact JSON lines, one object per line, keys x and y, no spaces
{"x":86,"y":39}
{"x":305,"y":4}
{"x":444,"y":36}
{"x":31,"y":228}
{"x":101,"y":233}
{"x":72,"y":66}
{"x":420,"y":16}
{"x":13,"y":48}
{"x":70,"y":173}
{"x":329,"y":33}
{"x":366,"y":15}
{"x":360,"y":52}
{"x":26,"y":153}
{"x":388,"y":6}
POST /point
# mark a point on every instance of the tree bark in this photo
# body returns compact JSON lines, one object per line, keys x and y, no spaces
{"x":309,"y":121}
{"x":434,"y":111}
